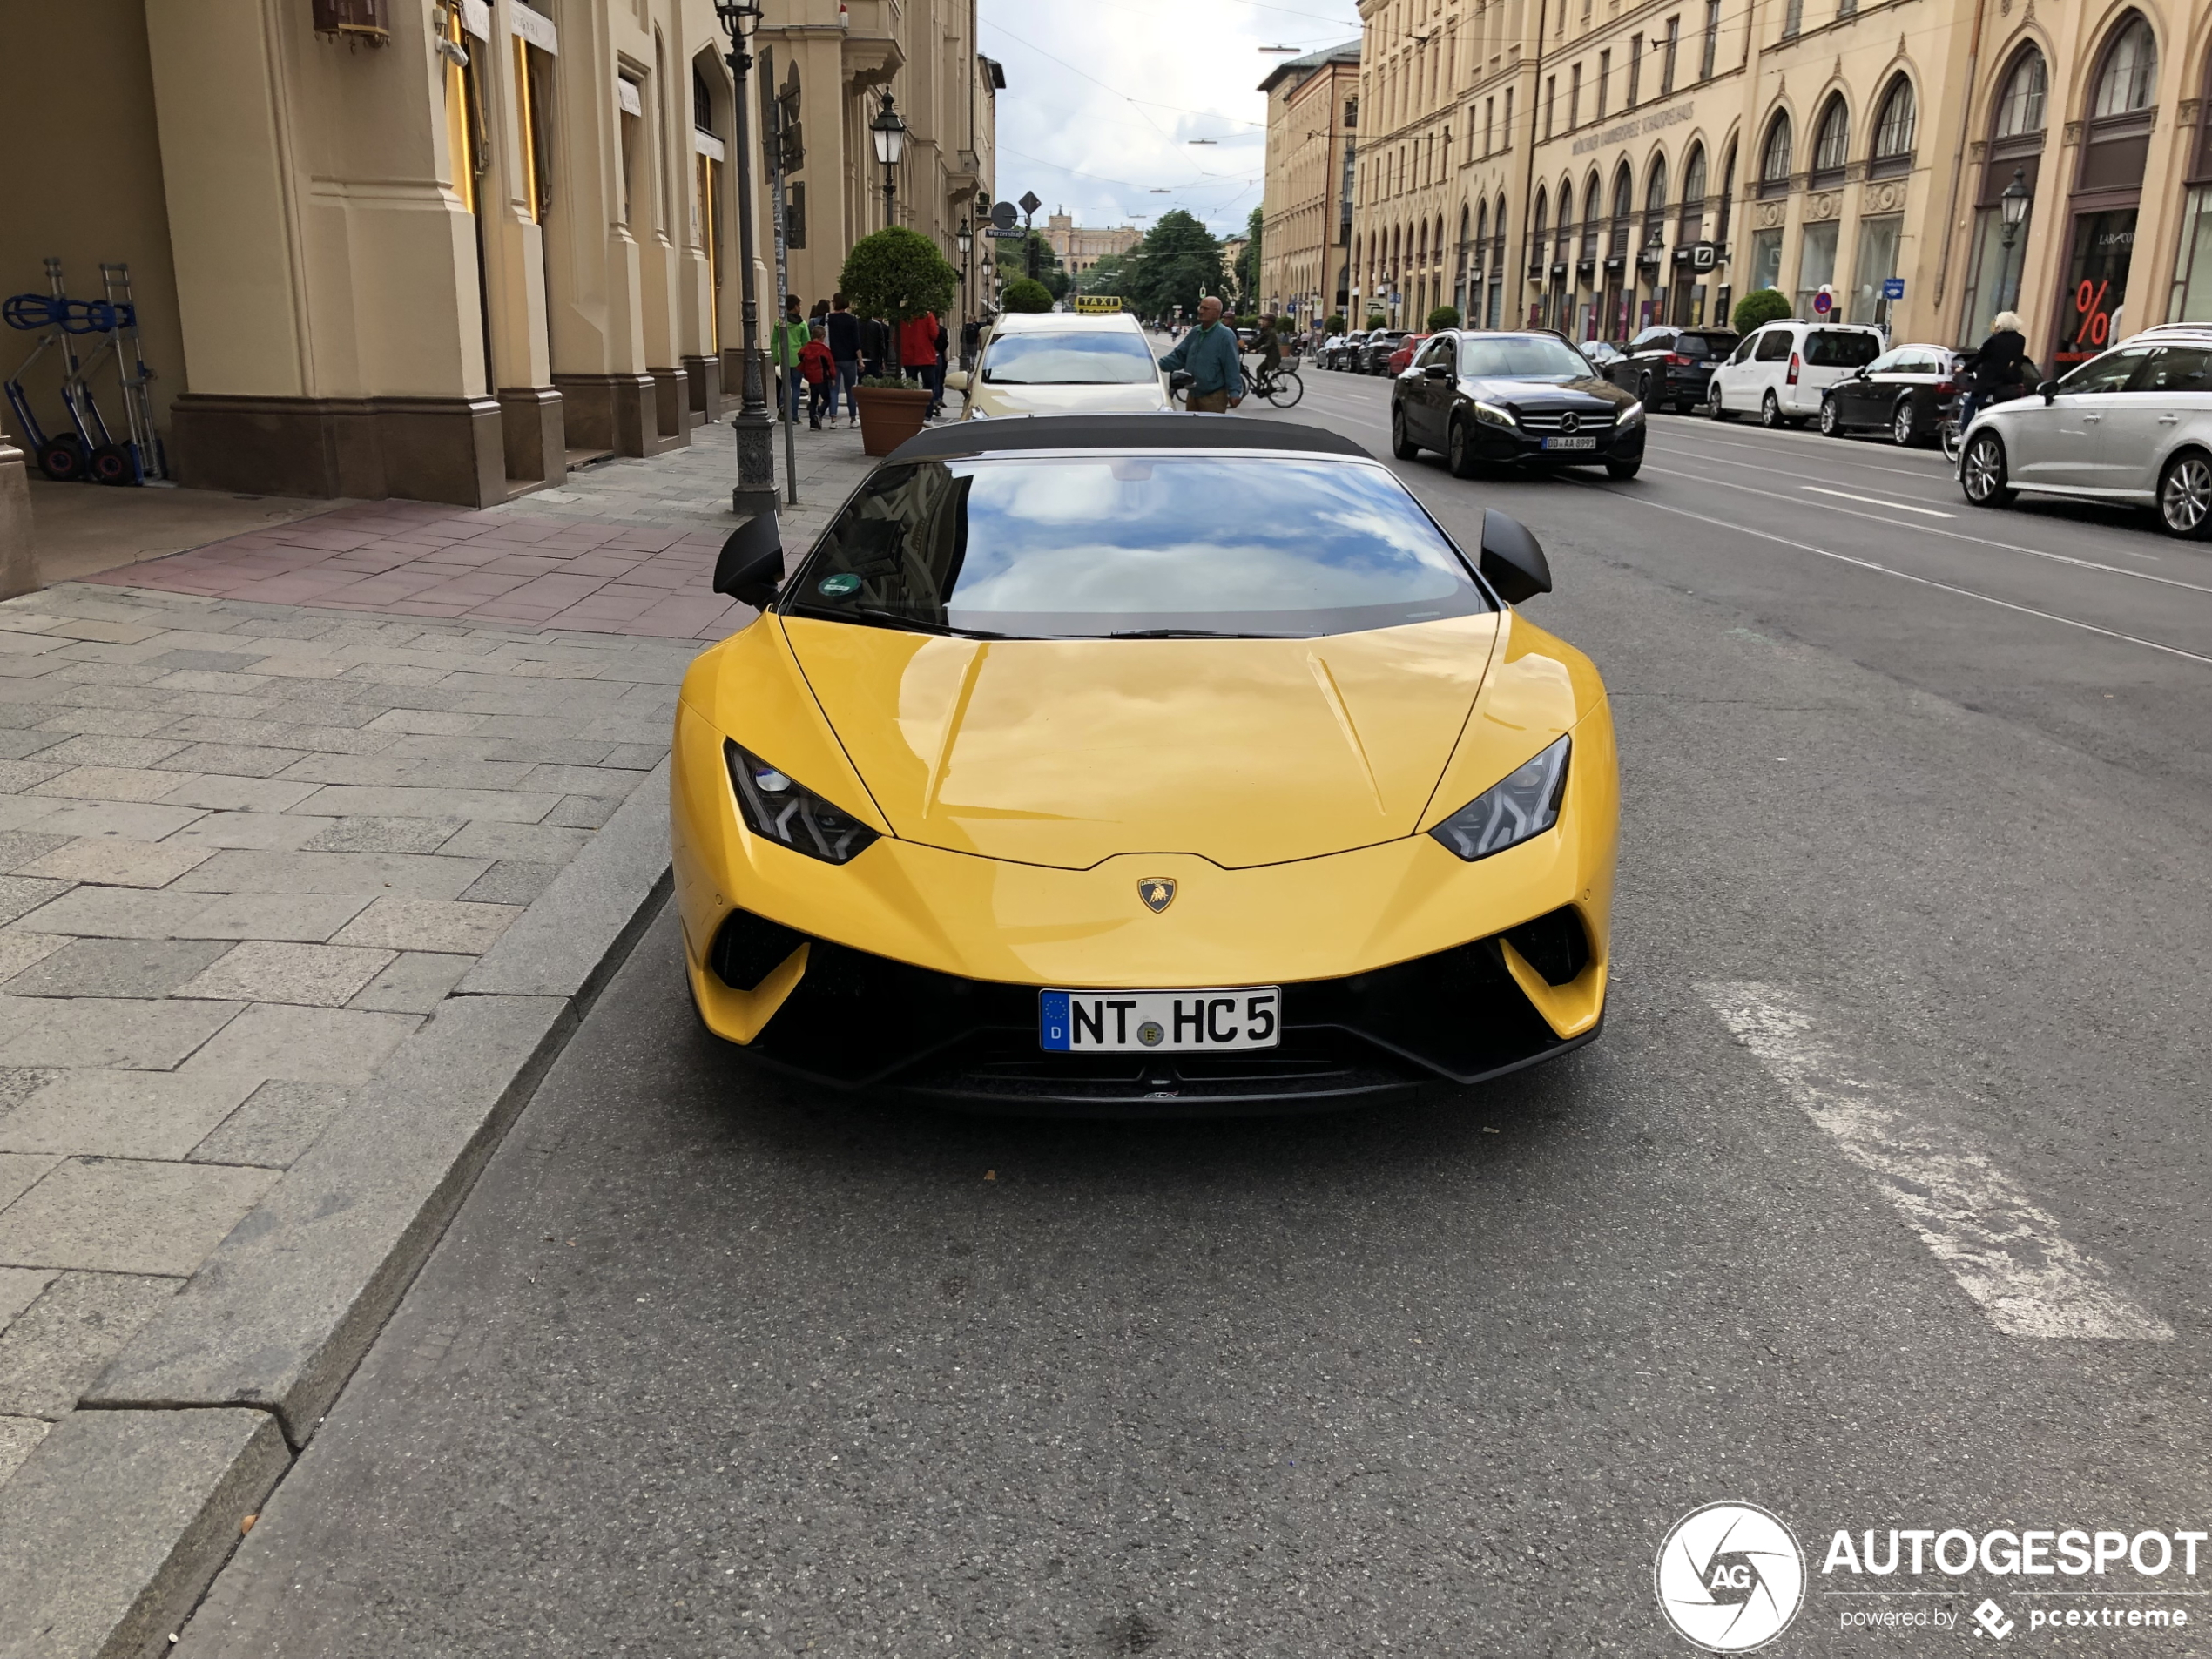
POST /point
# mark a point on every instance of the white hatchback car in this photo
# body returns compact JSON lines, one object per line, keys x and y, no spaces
{"x":1059,"y":362}
{"x":1779,"y":372}
{"x":2133,"y":426}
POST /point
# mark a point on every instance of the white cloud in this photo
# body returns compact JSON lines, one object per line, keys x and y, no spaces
{"x":1096,"y":130}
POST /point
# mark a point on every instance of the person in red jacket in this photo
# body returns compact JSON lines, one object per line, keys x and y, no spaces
{"x":820,"y":370}
{"x":921,"y":340}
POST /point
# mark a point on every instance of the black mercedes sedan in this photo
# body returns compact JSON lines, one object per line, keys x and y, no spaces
{"x":1482,"y":399}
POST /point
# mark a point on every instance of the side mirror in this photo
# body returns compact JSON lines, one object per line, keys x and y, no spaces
{"x":751,"y":566}
{"x":955,"y":380}
{"x":1438,"y":371}
{"x":1861,"y":374}
{"x":1512,"y":560}
{"x":2049,"y":389}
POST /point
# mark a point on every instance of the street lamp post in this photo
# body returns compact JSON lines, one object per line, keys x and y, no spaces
{"x":890,"y":133}
{"x":756,"y":490}
{"x":2011,"y":206}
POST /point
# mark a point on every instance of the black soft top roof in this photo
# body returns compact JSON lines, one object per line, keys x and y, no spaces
{"x":1120,"y":432}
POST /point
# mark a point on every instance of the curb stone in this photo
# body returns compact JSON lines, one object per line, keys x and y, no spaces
{"x":117,"y":1521}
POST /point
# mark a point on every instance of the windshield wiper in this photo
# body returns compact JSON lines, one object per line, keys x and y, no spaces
{"x":1187,"y":633}
{"x":869,"y":617}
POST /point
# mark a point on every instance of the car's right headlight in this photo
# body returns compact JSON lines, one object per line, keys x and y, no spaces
{"x":782,"y":811}
{"x":1523,"y":804}
{"x":1494,"y":414}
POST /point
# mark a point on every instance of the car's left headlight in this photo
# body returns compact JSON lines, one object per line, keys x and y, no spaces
{"x":1633,"y":416}
{"x":1525,"y":803}
{"x":787,"y":812}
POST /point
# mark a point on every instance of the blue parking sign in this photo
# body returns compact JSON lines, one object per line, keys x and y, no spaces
{"x":1893,"y":287}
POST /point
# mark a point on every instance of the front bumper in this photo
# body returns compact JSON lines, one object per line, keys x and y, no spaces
{"x":1499,"y":447}
{"x":917,"y":968}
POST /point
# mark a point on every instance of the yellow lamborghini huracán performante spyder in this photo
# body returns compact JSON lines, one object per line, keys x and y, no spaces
{"x":1143,"y":763}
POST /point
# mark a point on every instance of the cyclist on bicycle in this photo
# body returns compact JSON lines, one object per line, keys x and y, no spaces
{"x":1990,"y":371}
{"x":1270,"y":345}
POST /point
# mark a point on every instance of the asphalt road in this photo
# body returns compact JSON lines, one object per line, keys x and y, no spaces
{"x":711,"y":1366}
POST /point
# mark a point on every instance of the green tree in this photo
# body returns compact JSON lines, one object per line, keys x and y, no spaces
{"x":1025,"y":294}
{"x":1759,"y":307}
{"x":898,"y":274}
{"x":1178,"y":262}
{"x":1443,"y":317}
{"x":1110,"y":275}
{"x":1248,"y":262}
{"x":1334,"y":324}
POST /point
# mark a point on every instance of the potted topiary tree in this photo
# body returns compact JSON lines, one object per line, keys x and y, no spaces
{"x":896,"y":275}
{"x":1759,"y":307}
{"x":1443,"y":317}
{"x":1026,"y":294}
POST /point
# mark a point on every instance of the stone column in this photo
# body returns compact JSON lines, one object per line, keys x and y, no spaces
{"x":19,"y":563}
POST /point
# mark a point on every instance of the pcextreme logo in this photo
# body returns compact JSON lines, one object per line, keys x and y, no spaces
{"x":1729,"y":1577}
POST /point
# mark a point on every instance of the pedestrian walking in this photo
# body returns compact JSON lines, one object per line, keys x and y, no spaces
{"x":917,"y":352}
{"x":790,"y":339}
{"x":820,"y":370}
{"x":842,"y":333}
{"x":971,"y":337}
{"x":875,"y":345}
{"x":1209,"y":351}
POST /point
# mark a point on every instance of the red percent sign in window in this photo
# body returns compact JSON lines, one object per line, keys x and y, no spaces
{"x":2093,"y":319}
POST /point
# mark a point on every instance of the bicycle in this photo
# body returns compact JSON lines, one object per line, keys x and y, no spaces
{"x":1281,"y":387}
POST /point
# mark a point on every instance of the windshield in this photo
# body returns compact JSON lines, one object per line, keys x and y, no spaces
{"x":1705,"y":344}
{"x":1521,"y":357}
{"x":1072,"y":358}
{"x":1118,"y":546}
{"x":1835,"y":348}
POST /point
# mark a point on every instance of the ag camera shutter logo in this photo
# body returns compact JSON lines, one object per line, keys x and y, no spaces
{"x":1729,"y":1577}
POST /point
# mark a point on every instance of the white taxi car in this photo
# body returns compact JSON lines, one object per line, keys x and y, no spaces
{"x":1060,"y":362}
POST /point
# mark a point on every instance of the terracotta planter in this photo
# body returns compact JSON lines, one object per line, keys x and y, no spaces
{"x":888,"y":418}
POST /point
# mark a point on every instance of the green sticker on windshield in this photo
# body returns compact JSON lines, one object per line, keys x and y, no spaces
{"x":837,"y":587}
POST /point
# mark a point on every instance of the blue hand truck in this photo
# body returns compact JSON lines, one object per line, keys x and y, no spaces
{"x":91,"y":450}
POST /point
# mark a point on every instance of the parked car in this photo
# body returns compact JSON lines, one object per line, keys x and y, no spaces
{"x":1343,"y":351}
{"x":1903,"y":392}
{"x":1404,"y":355}
{"x":1668,"y":367}
{"x":1602,"y":356}
{"x":1375,"y":354}
{"x":1499,"y":399}
{"x":2133,"y":426}
{"x":1780,"y":372}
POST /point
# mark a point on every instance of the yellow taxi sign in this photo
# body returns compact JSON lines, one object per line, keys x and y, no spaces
{"x":1098,"y":303}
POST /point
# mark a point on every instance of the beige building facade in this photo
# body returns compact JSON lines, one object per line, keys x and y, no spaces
{"x":446,"y":257}
{"x":1595,"y":166}
{"x":1080,"y":248}
{"x":1306,"y":209}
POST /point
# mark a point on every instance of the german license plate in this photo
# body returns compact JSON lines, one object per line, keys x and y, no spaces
{"x":1167,"y":1022}
{"x":1570,"y":443}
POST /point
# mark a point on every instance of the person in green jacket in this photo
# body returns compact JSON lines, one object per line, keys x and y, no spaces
{"x":1209,"y":351}
{"x":786,"y":340}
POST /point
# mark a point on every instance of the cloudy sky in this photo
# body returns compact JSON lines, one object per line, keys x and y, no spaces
{"x":1102,"y":97}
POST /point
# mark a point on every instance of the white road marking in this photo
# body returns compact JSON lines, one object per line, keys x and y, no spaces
{"x":1923,"y":580}
{"x":2005,"y":1250}
{"x":1877,"y":501}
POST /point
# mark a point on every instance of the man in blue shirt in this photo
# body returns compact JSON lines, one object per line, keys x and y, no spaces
{"x":1209,"y":351}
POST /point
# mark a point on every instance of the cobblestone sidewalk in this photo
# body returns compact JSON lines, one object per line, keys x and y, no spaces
{"x":247,"y":847}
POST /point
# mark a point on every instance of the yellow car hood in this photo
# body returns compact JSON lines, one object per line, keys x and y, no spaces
{"x":1144,"y":398}
{"x":1064,"y":752}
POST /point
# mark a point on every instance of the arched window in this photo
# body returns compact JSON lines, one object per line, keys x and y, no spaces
{"x":1774,"y":160}
{"x":2130,"y":73}
{"x":1893,"y":126}
{"x":1624,"y":192}
{"x":2020,"y":106}
{"x":1693,"y":196}
{"x":1590,"y":217}
{"x":1831,"y":143}
{"x":1654,"y":192}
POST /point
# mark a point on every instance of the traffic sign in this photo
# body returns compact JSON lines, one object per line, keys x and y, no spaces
{"x":1029,"y":202}
{"x":1893,"y":287}
{"x":1011,"y":231}
{"x":1003,"y":214}
{"x":1823,"y":302}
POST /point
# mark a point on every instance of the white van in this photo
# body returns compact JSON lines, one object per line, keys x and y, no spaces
{"x":1779,"y":372}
